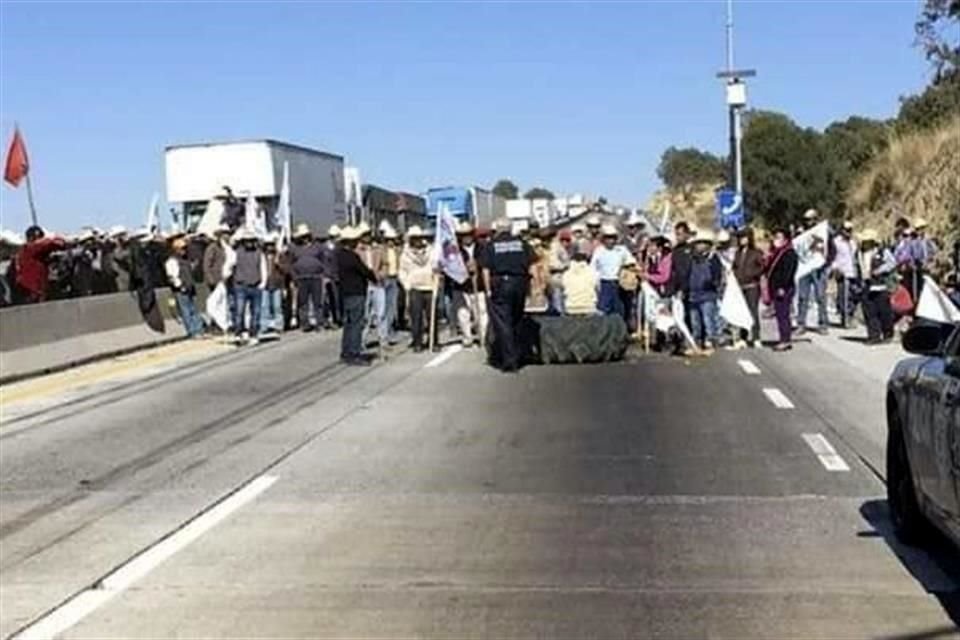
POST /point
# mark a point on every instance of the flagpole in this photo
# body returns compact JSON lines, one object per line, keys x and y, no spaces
{"x":33,"y":207}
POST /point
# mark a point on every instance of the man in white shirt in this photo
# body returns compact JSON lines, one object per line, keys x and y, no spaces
{"x":607,"y":261}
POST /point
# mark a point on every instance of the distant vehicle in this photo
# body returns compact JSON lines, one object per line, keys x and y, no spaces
{"x":480,"y":206}
{"x":198,"y":172}
{"x":923,"y":441}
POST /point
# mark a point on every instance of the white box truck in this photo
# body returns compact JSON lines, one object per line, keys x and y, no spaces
{"x":198,"y":172}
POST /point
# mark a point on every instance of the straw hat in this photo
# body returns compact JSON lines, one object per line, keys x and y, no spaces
{"x":848,"y":225}
{"x":416,"y":231}
{"x":385,"y":227}
{"x":594,"y":221}
{"x":363,"y":229}
{"x":390,"y":233}
{"x":271,"y":238}
{"x":464,"y":228}
{"x":706,"y":236}
{"x":810,"y":214}
{"x":244,"y":233}
{"x":919,"y":224}
{"x":301,"y":231}
{"x":723,"y":236}
{"x":608,"y":230}
{"x":86,"y":235}
{"x":334,"y":231}
{"x":869,"y":235}
{"x":351,"y":233}
{"x":635,"y":220}
{"x":118,"y":230}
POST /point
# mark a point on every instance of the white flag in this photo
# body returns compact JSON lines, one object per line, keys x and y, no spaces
{"x":811,"y":248}
{"x":446,"y":250}
{"x":153,"y":214}
{"x":283,"y":209}
{"x":733,"y":306}
{"x":217,"y":307}
{"x":935,"y":305}
{"x":212,"y":218}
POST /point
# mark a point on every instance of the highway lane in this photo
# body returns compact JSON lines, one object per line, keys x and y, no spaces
{"x":653,"y":498}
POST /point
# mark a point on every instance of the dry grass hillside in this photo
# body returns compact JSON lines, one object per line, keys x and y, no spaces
{"x":918,"y":176}
{"x":694,"y":204}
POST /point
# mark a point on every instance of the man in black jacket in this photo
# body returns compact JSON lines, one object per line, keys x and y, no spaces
{"x":354,"y":277}
{"x":682,"y":259}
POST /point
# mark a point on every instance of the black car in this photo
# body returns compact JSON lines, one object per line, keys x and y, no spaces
{"x":923,"y":441}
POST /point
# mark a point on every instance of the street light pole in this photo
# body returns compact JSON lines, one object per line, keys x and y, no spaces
{"x":736,"y":101}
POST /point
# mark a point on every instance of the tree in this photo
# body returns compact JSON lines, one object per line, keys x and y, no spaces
{"x":849,"y":146}
{"x":786,"y":169}
{"x":938,"y":33}
{"x":506,"y":189}
{"x":685,"y":169}
{"x":539,"y":193}
{"x":938,"y":103}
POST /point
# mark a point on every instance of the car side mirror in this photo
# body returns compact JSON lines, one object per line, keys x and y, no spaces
{"x":923,"y":340}
{"x":952,"y":368}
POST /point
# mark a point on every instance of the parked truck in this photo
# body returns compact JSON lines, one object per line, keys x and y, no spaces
{"x":196,"y":173}
{"x":479,"y":206}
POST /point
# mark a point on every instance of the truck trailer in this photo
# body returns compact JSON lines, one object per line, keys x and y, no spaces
{"x":479,"y":206}
{"x":196,"y":173}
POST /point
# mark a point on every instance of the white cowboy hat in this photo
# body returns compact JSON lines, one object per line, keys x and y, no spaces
{"x":464,"y":228}
{"x":705,"y":236}
{"x":301,"y":231}
{"x":384,"y":227}
{"x":271,"y":238}
{"x":810,"y":214}
{"x":86,"y":234}
{"x":635,"y":219}
{"x":920,"y":223}
{"x":416,"y":232}
{"x":869,"y":235}
{"x":608,"y":230}
{"x":363,"y":229}
{"x":723,"y":236}
{"x":390,"y":233}
{"x":118,"y":230}
{"x":594,"y":221}
{"x":334,"y":231}
{"x":350,"y":233}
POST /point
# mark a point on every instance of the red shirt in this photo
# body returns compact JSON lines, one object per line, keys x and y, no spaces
{"x":32,"y":269}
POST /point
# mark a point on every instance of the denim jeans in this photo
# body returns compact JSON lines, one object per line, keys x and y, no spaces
{"x":351,"y":343}
{"x":703,"y":320}
{"x":189,"y":316}
{"x":247,"y":295}
{"x":376,"y":311}
{"x":609,"y":299}
{"x":391,"y":293}
{"x":815,"y":285}
{"x":271,"y":310}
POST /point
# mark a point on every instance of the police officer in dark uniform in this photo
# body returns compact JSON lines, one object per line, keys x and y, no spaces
{"x":506,"y":267}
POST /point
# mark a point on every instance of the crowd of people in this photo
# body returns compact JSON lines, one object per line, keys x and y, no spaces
{"x":374,"y":283}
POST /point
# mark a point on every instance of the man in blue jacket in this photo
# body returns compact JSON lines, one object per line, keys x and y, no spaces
{"x":703,"y":291}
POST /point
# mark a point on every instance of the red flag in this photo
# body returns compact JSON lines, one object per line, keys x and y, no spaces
{"x":17,"y":163}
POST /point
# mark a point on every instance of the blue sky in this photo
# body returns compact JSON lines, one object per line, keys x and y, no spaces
{"x":574,"y":97}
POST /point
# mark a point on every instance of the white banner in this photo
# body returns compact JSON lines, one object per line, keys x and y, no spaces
{"x":935,"y":305}
{"x":733,"y":306}
{"x":284,"y":219}
{"x":811,"y":248}
{"x":447,"y":252}
{"x":218,"y":307}
{"x":153,"y":214}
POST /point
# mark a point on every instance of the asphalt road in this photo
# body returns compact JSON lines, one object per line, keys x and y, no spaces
{"x":274,"y":493}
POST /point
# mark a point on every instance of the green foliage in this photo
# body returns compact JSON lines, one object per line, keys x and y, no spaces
{"x":936,"y":105}
{"x":680,"y":169}
{"x":539,"y":193}
{"x":938,"y":33}
{"x":506,"y":189}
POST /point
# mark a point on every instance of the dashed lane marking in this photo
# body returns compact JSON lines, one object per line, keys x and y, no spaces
{"x":749,"y":368}
{"x":828,"y":456}
{"x":776,"y":396}
{"x":86,"y":602}
{"x":448,"y":353}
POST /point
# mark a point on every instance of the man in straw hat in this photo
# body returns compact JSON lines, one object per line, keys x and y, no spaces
{"x":607,"y":261}
{"x":877,"y":267}
{"x":391,"y":281}
{"x":703,"y":292}
{"x":180,"y":276}
{"x":814,"y":284}
{"x":355,"y":277}
{"x":416,"y":274}
{"x":469,"y":300}
{"x":306,"y":261}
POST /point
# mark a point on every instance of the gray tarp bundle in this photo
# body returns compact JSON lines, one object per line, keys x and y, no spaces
{"x":574,"y":339}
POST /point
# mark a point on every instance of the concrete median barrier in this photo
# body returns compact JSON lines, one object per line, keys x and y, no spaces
{"x":39,"y":338}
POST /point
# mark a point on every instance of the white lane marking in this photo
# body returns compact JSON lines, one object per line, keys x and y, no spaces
{"x":78,"y":607}
{"x":448,"y":353}
{"x":749,"y":368}
{"x":828,"y":456}
{"x":776,"y":396}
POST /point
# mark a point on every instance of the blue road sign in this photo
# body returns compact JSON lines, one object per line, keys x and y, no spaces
{"x":731,"y":214}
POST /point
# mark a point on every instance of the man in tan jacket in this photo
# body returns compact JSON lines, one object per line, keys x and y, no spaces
{"x":417,"y":275}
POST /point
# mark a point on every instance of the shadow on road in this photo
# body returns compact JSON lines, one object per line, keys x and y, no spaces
{"x":936,"y":567}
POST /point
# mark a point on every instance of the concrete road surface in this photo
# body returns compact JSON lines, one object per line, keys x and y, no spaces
{"x":273,"y":492}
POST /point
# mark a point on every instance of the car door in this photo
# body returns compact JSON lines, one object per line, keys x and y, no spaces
{"x":932,"y":421}
{"x":950,"y":404}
